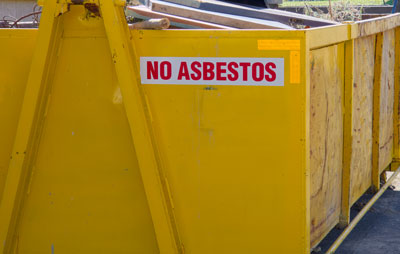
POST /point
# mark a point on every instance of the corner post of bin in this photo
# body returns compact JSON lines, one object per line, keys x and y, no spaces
{"x":344,"y":218}
{"x":30,"y":122}
{"x":140,"y":123}
{"x":396,"y":110}
{"x":376,"y":112}
{"x":307,"y":146}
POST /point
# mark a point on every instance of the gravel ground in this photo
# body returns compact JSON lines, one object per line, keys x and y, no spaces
{"x":378,"y":231}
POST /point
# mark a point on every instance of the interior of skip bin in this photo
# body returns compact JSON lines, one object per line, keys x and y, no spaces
{"x":236,"y":14}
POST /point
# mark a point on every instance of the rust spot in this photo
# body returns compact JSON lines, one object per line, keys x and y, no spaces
{"x":93,"y":9}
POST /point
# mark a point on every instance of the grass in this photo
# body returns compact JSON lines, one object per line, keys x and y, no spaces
{"x":326,"y":2}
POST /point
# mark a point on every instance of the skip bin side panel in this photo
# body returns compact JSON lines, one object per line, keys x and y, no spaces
{"x":361,"y":156}
{"x":16,"y":48}
{"x":386,"y":101}
{"x":326,"y":131}
{"x":226,"y":148}
{"x":85,"y":193}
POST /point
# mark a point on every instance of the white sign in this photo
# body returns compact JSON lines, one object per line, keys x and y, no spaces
{"x":212,"y":71}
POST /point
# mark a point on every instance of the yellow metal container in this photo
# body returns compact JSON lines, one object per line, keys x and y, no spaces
{"x":109,"y":152}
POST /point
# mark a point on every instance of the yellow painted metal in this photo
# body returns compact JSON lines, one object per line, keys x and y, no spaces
{"x":279,"y":45}
{"x":154,"y":179}
{"x":68,"y":2}
{"x":295,"y":71}
{"x":291,"y":45}
{"x":83,"y":158}
{"x":101,"y":163}
{"x":218,"y":151}
{"x":14,"y":69}
{"x":28,"y":129}
{"x":85,"y":193}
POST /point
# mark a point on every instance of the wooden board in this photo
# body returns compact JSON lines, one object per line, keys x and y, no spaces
{"x":258,"y":13}
{"x":374,"y":26}
{"x":396,"y":112}
{"x":326,"y":128}
{"x":386,"y":101}
{"x":145,"y":13}
{"x":215,"y":17}
{"x":361,"y":131}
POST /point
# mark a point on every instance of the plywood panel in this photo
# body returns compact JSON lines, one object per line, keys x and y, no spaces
{"x":386,"y":101}
{"x":361,"y":156}
{"x":396,"y":112}
{"x":326,"y":129}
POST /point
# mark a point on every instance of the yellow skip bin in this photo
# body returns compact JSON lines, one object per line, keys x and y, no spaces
{"x":180,"y":141}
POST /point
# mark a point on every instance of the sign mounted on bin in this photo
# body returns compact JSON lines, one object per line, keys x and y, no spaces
{"x":212,"y":71}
